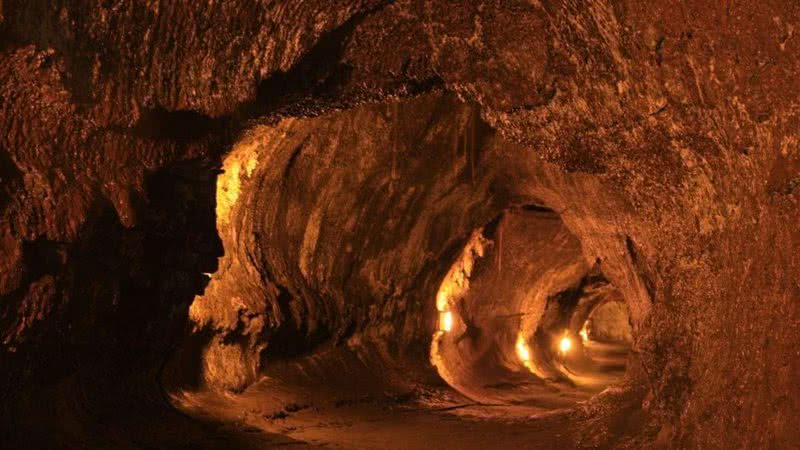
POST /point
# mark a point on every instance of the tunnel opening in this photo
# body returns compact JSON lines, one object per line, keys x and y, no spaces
{"x":366,"y":145}
{"x":393,"y":258}
{"x":524,"y":320}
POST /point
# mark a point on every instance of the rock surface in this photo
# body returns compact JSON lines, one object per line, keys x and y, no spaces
{"x":362,"y":143}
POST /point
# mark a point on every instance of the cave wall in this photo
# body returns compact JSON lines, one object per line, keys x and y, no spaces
{"x":109,"y":150}
{"x":528,"y":257}
{"x":678,"y":120}
{"x":334,"y":229}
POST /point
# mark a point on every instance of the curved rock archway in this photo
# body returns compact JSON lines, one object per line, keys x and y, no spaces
{"x":399,"y":224}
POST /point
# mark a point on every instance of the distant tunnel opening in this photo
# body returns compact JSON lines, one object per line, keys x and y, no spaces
{"x":524,"y":320}
{"x":474,"y":224}
{"x":397,"y":254}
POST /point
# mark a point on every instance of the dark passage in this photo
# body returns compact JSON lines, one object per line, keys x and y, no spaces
{"x":415,"y":224}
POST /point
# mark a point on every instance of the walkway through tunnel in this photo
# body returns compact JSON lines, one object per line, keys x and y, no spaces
{"x":371,"y":224}
{"x":524,"y":320}
{"x":398,"y":256}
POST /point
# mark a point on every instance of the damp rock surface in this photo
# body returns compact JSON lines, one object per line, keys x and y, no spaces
{"x":198,"y":195}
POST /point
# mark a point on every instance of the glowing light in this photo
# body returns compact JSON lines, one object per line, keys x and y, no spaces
{"x":446,"y":321}
{"x":453,"y":288}
{"x":584,"y":333}
{"x":565,"y":344}
{"x":523,"y":351}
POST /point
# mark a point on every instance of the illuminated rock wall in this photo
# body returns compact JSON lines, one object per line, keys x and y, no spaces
{"x":665,"y":135}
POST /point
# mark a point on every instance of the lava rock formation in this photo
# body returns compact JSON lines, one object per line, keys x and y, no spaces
{"x":399,"y":224}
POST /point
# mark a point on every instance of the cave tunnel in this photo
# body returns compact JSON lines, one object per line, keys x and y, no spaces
{"x":399,"y":225}
{"x":397,"y":257}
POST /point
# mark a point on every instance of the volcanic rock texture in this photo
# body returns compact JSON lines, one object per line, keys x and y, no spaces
{"x":396,"y":209}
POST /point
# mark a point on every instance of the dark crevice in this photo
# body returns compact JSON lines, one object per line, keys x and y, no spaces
{"x":537,"y":208}
{"x":315,"y":79}
{"x":43,"y":257}
{"x":178,"y":126}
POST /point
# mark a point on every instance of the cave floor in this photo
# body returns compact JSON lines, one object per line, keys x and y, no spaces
{"x":282,"y":409}
{"x":397,"y":424}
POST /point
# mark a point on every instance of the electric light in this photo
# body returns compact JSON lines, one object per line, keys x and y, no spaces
{"x":522,"y":350}
{"x":446,"y":321}
{"x":584,"y":333}
{"x":565,"y":344}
